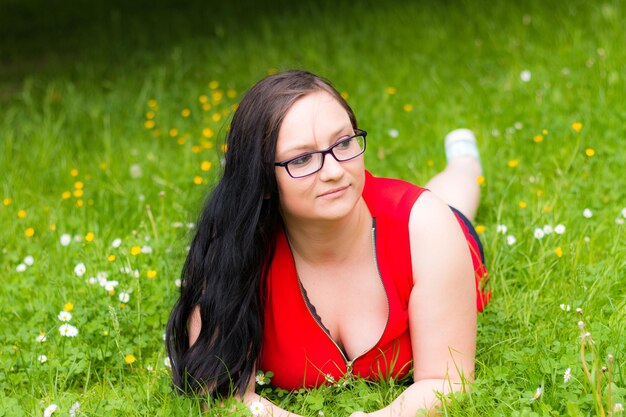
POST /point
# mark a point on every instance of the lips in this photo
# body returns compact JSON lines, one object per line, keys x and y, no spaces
{"x":334,"y":191}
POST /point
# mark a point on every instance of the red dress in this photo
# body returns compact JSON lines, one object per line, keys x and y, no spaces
{"x":297,"y":349}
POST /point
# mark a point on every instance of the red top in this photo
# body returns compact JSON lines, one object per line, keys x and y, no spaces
{"x":298,"y":350}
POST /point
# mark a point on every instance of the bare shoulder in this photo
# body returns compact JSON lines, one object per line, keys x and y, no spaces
{"x":195,"y":324}
{"x":437,"y":240}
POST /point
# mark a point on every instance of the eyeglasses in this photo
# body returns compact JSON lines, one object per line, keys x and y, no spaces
{"x":311,"y":162}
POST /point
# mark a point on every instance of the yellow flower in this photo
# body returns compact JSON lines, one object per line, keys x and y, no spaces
{"x":149,"y":124}
{"x":7,"y":201}
{"x":391,"y":90}
{"x":408,"y":107}
{"x":206,"y":107}
{"x":480,"y":229}
{"x":111,"y":258}
{"x":173,"y":132}
{"x":590,"y":152}
{"x":103,"y":165}
{"x":271,"y":71}
{"x":152,"y":103}
{"x":216,"y":117}
{"x":66,"y":195}
{"x":345,"y":95}
{"x":135,"y":250}
{"x":544,"y":132}
{"x":558,"y":251}
{"x":523,"y":204}
{"x":205,"y":166}
{"x":203,"y":99}
{"x":207,"y":144}
{"x":151,"y":273}
{"x":577,"y":126}
{"x":89,"y":236}
{"x":547,"y":208}
{"x":69,"y":306}
{"x":74,"y":172}
{"x":185,"y":113}
{"x":150,"y":115}
{"x":29,"y":232}
{"x":539,"y":193}
{"x":213,"y":85}
{"x":217,"y":96}
{"x":79,"y":185}
{"x":538,"y":138}
{"x":53,"y":227}
{"x":21,"y":214}
{"x":196,"y":149}
{"x":430,"y":163}
{"x":78,"y":193}
{"x":224,"y":147}
{"x":231,"y":93}
{"x":480,"y":180}
{"x":129,"y":359}
{"x":79,"y":203}
{"x":105,"y":333}
{"x":181,"y":141}
{"x":207,"y":132}
{"x":513,"y":163}
{"x":197,"y":180}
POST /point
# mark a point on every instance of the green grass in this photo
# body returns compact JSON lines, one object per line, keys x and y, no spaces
{"x":75,"y":89}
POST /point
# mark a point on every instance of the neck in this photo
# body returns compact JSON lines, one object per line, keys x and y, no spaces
{"x":329,"y":241}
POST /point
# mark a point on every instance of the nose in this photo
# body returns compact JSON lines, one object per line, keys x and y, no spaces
{"x":331,"y":168}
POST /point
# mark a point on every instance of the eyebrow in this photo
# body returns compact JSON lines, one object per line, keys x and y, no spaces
{"x":307,"y":146}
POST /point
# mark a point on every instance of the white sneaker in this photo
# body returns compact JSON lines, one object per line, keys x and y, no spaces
{"x":461,"y":142}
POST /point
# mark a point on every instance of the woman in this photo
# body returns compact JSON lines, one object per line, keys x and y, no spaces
{"x":306,"y":265}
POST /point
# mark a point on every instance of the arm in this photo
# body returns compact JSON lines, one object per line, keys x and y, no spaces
{"x":442,"y":310}
{"x":250,"y":397}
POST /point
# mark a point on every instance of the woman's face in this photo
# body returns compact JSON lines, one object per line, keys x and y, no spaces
{"x":313,"y":123}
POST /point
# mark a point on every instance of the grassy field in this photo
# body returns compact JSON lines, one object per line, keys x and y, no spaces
{"x":112,"y":117}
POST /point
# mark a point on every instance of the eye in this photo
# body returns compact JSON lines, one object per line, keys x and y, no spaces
{"x":301,"y":160}
{"x":344,"y":144}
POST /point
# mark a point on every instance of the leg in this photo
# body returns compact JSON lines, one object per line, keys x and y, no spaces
{"x":456,"y":184}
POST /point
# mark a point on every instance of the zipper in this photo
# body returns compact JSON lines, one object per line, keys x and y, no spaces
{"x":350,"y":362}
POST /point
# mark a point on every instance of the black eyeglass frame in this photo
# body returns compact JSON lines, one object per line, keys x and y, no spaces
{"x":329,"y":150}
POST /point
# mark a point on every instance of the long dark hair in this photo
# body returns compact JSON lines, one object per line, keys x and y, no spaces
{"x":226,"y":267}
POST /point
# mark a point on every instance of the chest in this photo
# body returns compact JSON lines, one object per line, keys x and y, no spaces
{"x":348,"y":301}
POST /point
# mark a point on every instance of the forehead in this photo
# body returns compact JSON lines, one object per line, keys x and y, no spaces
{"x":316,"y":116}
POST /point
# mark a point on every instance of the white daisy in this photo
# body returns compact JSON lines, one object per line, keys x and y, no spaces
{"x":525,"y":76}
{"x":110,"y":285}
{"x":618,"y":408}
{"x":116,"y":242}
{"x":20,"y":268}
{"x":65,"y":316}
{"x":537,"y":394}
{"x":135,"y":171}
{"x":624,"y":212}
{"x":567,"y":375}
{"x":146,"y":249}
{"x":178,"y":282}
{"x":74,"y":409}
{"x":547,"y":229}
{"x":49,"y":410}
{"x":501,"y":228}
{"x":257,"y":408}
{"x":102,"y":275}
{"x":124,"y":297}
{"x":41,"y":338}
{"x":539,"y":233}
{"x":42,"y":358}
{"x":559,"y":229}
{"x":394,"y":133}
{"x":80,"y":269}
{"x":619,"y":221}
{"x":167,"y":362}
{"x":510,"y":240}
{"x":66,"y":239}
{"x":29,"y":260}
{"x":565,"y":307}
{"x":68,"y":330}
{"x":587,"y":213}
